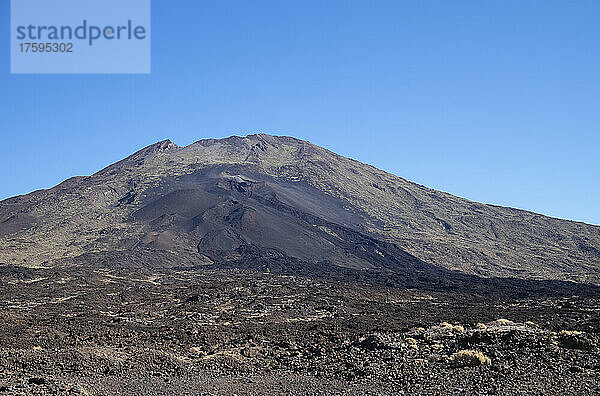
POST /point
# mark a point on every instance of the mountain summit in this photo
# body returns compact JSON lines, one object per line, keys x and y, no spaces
{"x":269,"y":201}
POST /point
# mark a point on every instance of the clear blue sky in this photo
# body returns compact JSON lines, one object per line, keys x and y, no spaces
{"x":495,"y":101}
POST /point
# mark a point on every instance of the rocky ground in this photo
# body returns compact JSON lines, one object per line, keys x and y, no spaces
{"x":98,"y":330}
{"x":268,"y":265}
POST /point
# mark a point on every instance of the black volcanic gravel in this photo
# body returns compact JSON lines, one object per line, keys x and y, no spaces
{"x":103,"y":331}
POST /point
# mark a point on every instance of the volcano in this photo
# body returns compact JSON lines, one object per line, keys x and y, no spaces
{"x":267,"y":200}
{"x":268,"y":265}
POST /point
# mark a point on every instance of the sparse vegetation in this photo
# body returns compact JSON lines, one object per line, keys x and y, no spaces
{"x":469,"y":358}
{"x":450,"y":327}
{"x":570,"y":333}
{"x":196,"y":351}
{"x":502,"y":322}
{"x":242,"y":324}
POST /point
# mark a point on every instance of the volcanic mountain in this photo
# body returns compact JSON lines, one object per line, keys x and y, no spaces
{"x":278,"y":203}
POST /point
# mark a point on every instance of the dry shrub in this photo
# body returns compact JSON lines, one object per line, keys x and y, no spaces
{"x":196,"y":351}
{"x":503,"y":322}
{"x":570,"y":332}
{"x":469,"y":358}
{"x":451,"y":327}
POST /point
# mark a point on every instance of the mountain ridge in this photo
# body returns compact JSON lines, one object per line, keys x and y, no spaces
{"x":207,"y":141}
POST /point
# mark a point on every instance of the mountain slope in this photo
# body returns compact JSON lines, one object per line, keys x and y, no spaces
{"x":215,"y":200}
